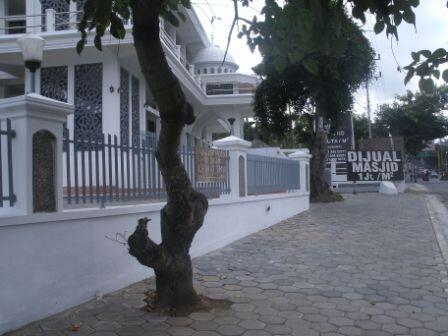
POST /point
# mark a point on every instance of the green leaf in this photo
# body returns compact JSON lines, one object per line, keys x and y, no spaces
{"x":80,"y":46}
{"x":415,"y":56}
{"x":311,"y":65}
{"x":116,"y":26}
{"x":409,"y":16}
{"x":436,"y":73}
{"x":97,"y":42}
{"x":409,"y":76}
{"x":439,"y":53}
{"x":426,"y":53}
{"x":445,"y":76}
{"x":426,"y":85}
{"x":379,"y":27}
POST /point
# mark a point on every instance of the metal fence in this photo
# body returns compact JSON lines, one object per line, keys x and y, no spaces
{"x":102,"y":170}
{"x":267,"y":175}
{"x":6,"y":171}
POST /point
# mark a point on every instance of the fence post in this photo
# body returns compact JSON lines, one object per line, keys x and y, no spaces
{"x":50,"y":20}
{"x":238,"y":163}
{"x":37,"y":121}
{"x":303,"y":156}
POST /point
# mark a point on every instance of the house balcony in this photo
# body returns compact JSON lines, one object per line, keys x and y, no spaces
{"x":59,"y":29}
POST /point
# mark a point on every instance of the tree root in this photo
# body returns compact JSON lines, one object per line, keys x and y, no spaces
{"x":205,"y":304}
{"x":327,"y":196}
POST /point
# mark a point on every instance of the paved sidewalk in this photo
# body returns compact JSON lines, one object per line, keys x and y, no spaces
{"x":368,"y":266}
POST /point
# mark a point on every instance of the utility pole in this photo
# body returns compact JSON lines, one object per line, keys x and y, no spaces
{"x":369,"y":110}
{"x":369,"y":120}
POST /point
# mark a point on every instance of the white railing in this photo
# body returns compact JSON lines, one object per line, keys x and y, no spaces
{"x":53,"y":21}
{"x":17,"y":24}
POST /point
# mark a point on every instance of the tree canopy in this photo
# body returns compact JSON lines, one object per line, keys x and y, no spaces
{"x":415,"y":116}
{"x":310,"y":69}
{"x":329,"y":75}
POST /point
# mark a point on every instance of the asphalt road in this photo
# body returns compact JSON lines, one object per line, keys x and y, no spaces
{"x":439,"y":188}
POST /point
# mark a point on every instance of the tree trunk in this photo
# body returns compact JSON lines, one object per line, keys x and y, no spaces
{"x":319,"y":186}
{"x":174,"y":285}
{"x":320,"y":190}
{"x":183,"y":215}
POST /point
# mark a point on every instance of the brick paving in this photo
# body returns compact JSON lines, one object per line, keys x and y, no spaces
{"x":368,"y":266}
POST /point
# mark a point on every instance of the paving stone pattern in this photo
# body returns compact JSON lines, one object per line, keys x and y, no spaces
{"x":367,"y":266}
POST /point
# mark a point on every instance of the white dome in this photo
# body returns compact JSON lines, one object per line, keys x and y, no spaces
{"x":213,"y":55}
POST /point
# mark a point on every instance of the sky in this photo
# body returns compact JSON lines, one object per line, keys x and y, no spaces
{"x":431,"y":33}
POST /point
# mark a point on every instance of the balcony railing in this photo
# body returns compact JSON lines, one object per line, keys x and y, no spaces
{"x":52,"y":21}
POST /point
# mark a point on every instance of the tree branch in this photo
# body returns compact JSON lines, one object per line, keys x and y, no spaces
{"x":200,"y":207}
{"x":166,"y":88}
{"x":236,"y":18}
{"x":142,"y":247}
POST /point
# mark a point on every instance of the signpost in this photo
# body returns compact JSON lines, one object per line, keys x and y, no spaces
{"x":375,"y":166}
{"x":211,"y":165}
{"x":339,"y":143}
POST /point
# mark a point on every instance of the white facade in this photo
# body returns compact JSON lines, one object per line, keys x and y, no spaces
{"x":61,"y":259}
{"x":214,"y":88}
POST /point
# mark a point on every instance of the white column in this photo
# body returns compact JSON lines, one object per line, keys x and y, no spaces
{"x":237,"y":148}
{"x":238,"y":127}
{"x":29,"y":114}
{"x":50,"y":20}
{"x":73,"y":16}
{"x":71,"y":98}
{"x":33,"y":18}
{"x":3,"y":22}
{"x":303,"y":156}
{"x":111,"y":100}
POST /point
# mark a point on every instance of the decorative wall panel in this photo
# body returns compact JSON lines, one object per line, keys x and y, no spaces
{"x":53,"y":82}
{"x":89,"y":100}
{"x":124,"y":106}
{"x":54,"y":85}
{"x":135,"y":99}
{"x":80,"y":5}
{"x":79,"y":8}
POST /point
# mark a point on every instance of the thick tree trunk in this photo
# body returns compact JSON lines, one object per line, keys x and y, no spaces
{"x":320,"y":190}
{"x":174,"y":286}
{"x":319,"y":186}
{"x":183,"y":215}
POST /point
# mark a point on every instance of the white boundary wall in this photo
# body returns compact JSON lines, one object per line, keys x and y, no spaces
{"x":51,"y":262}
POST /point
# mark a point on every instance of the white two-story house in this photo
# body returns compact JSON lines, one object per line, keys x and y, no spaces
{"x":107,"y":89}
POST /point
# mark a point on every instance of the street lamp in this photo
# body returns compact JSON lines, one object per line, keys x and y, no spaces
{"x":231,"y":122}
{"x":32,"y":47}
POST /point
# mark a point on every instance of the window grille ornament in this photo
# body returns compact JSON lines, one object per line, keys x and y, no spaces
{"x":89,"y":101}
{"x":54,"y":85}
{"x":80,"y":8}
{"x":80,"y":5}
{"x":124,"y":106}
{"x":59,"y":6}
{"x":135,"y":99}
{"x":54,"y":82}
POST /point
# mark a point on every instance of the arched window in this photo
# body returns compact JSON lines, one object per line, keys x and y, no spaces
{"x":219,"y":70}
{"x":205,"y":71}
{"x":226,"y":70}
{"x":212,"y":70}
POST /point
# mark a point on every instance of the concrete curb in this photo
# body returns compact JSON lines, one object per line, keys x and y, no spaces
{"x":438,"y":215}
{"x":416,"y":187}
